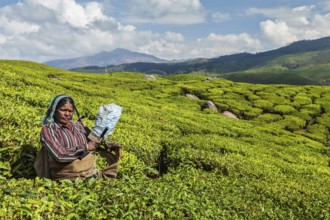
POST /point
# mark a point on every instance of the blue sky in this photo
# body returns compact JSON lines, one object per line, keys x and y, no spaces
{"x":43,"y":30}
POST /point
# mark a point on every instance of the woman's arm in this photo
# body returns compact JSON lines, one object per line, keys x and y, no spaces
{"x":49,"y":138}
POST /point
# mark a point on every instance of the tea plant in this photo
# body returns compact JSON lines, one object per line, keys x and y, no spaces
{"x":179,"y":161}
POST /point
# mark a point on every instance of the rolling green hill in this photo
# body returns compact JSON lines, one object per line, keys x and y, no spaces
{"x":300,"y":63}
{"x":180,"y":161}
{"x":311,"y":68}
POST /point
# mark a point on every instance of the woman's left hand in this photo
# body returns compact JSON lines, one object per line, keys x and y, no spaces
{"x":91,"y":145}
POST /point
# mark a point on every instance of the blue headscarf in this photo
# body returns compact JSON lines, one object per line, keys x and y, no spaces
{"x":52,"y":107}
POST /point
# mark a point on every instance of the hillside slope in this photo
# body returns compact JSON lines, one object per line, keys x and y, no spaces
{"x":278,"y":66}
{"x":180,"y":161}
{"x":310,"y":68}
{"x":233,"y":62}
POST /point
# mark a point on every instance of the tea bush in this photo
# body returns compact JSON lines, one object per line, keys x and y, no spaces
{"x":263,"y":104}
{"x":179,"y":162}
{"x":269,"y":117}
{"x":284,"y":109}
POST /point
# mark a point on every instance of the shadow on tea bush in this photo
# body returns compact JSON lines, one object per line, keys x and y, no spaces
{"x":292,"y":123}
{"x":23,"y":165}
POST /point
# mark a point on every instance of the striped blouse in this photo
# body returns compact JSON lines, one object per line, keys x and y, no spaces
{"x":63,"y":143}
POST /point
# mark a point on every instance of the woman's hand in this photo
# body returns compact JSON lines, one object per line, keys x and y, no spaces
{"x":116,"y":148}
{"x":92,"y":145}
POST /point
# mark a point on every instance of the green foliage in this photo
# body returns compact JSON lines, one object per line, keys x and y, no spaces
{"x":300,"y":100}
{"x":263,"y":104}
{"x":179,"y":162}
{"x":269,"y":117}
{"x":292,"y":123}
{"x":315,"y":109}
{"x":252,"y":113}
{"x":319,"y":132}
{"x":324,"y":119}
{"x":284,"y":109}
{"x":306,"y":115}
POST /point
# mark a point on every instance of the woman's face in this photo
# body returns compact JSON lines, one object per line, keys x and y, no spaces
{"x":64,"y":114}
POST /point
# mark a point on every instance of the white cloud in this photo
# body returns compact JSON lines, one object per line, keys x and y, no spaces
{"x":166,"y":12}
{"x":59,"y":29}
{"x":3,"y":39}
{"x":304,"y":8}
{"x":168,"y":46}
{"x":17,"y":27}
{"x":217,"y":44}
{"x":295,"y":16}
{"x":174,"y":46}
{"x":220,"y":17}
{"x":285,"y":25}
{"x":278,"y":32}
{"x":68,"y":11}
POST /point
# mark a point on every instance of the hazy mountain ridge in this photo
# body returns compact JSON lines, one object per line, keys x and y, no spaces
{"x":105,"y":58}
{"x":231,"y":63}
{"x":303,"y":62}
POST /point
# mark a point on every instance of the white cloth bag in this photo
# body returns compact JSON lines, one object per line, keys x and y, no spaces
{"x":105,"y":122}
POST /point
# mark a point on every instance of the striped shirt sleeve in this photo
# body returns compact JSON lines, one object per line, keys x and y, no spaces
{"x":64,"y":144}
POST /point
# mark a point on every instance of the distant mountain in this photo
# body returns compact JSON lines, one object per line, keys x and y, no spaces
{"x":104,"y":58}
{"x":305,"y":62}
{"x":228,"y":63}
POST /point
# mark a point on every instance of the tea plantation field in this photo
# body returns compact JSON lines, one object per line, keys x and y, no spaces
{"x":180,"y":161}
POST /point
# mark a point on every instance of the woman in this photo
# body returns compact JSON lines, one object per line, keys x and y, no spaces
{"x":66,"y":151}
